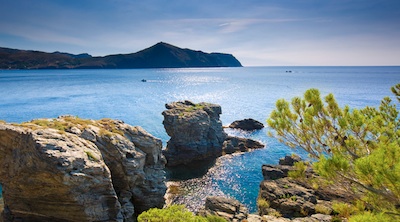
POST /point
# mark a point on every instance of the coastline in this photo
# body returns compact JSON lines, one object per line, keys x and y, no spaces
{"x":242,"y":92}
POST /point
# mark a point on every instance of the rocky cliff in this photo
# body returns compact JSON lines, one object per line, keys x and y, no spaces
{"x":195,"y":130}
{"x":69,"y":169}
{"x":196,"y":133}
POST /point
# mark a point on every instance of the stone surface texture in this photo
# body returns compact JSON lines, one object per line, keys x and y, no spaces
{"x":197,"y":134}
{"x":234,"y":144}
{"x":195,"y":130}
{"x":227,"y":208}
{"x":296,"y":198}
{"x":247,"y":124}
{"x":69,"y":169}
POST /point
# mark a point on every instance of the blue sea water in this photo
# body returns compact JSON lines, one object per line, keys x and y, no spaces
{"x":247,"y":92}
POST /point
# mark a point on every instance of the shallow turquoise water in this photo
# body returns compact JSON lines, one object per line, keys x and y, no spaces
{"x":248,"y":92}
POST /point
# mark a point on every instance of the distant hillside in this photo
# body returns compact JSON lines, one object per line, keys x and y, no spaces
{"x":160,"y":55}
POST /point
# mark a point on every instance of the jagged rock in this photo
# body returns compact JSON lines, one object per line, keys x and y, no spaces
{"x":69,"y":169}
{"x":273,"y":172}
{"x":289,"y":160}
{"x":229,"y":209}
{"x":196,"y":133}
{"x":297,"y":197}
{"x":288,"y":198}
{"x":236,"y":144}
{"x":284,"y":194}
{"x":195,"y":130}
{"x":247,"y":124}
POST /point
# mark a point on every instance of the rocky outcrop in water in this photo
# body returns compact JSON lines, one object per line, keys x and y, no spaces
{"x":195,"y":130}
{"x":196,"y":133}
{"x":247,"y":124}
{"x":234,"y":144}
{"x":69,"y":169}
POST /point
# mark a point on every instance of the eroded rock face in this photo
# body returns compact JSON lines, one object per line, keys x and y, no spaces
{"x":196,"y":132}
{"x":289,"y":198}
{"x":68,"y":169}
{"x":292,"y":197}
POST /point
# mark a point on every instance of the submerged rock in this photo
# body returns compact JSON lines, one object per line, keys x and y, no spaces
{"x":247,"y":124}
{"x":69,"y":169}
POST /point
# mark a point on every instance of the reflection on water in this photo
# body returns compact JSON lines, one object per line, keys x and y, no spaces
{"x":193,"y":192}
{"x":247,"y":92}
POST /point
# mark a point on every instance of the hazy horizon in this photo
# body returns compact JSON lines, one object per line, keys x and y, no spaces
{"x":257,"y":33}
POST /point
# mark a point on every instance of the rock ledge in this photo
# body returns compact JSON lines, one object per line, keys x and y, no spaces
{"x":70,"y":169}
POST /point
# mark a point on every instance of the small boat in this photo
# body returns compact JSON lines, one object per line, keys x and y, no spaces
{"x":143,"y":80}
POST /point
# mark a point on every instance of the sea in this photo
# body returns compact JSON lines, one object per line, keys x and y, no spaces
{"x":244,"y":92}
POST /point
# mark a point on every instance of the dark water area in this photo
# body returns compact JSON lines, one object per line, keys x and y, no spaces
{"x":196,"y":169}
{"x":246,"y":92}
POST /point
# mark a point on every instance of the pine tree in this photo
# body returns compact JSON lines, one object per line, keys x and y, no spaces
{"x":361,"y":146}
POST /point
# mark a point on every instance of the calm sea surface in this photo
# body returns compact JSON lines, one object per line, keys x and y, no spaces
{"x":248,"y":92}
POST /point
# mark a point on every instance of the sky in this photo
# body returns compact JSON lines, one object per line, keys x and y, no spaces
{"x":256,"y":32}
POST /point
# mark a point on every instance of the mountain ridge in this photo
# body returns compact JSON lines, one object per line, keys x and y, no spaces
{"x":160,"y":55}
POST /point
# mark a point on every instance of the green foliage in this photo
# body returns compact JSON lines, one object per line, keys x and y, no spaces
{"x":175,"y":213}
{"x":62,"y":124}
{"x":214,"y":218}
{"x":111,"y":126}
{"x":396,"y":91}
{"x":262,"y":206}
{"x":319,"y":208}
{"x":49,"y":123}
{"x":299,"y":171}
{"x":190,"y":109}
{"x":343,"y":209}
{"x":371,"y":217}
{"x":195,"y":107}
{"x":361,"y":146}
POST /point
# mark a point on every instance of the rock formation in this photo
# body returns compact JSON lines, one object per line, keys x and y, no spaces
{"x":196,"y":133}
{"x":69,"y":169}
{"x":234,"y":144}
{"x":195,"y":130}
{"x":247,"y":124}
{"x":227,"y":208}
{"x":292,"y":197}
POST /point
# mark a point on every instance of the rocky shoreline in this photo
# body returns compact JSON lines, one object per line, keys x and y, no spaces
{"x":281,"y":198}
{"x":71,"y":169}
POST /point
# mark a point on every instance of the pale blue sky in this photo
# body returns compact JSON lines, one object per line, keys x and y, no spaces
{"x":257,"y":32}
